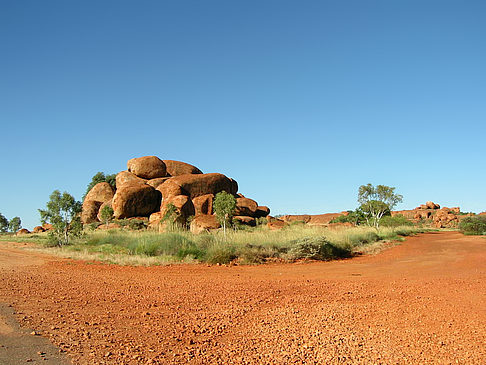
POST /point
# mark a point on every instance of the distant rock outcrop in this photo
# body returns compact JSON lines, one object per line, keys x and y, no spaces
{"x":432,"y":214}
{"x":150,"y":184}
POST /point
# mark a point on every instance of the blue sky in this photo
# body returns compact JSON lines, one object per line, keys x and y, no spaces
{"x":300,"y":101}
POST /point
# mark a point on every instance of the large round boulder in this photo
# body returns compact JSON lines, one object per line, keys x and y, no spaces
{"x":147,"y":167}
{"x":135,"y":200}
{"x":124,"y":178}
{"x":101,"y":192}
{"x":89,"y":213}
{"x":194,"y":185}
{"x":246,"y":207}
{"x":176,"y":168}
{"x":204,"y":223}
{"x":203,"y":204}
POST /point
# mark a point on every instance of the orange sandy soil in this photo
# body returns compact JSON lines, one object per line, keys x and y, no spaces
{"x":422,"y":302}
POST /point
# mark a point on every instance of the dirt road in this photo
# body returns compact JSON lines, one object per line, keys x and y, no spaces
{"x":422,"y":302}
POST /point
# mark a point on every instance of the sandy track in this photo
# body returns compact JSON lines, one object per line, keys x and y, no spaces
{"x":420,"y":302}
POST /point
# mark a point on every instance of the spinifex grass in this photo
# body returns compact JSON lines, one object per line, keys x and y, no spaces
{"x":248,"y":246}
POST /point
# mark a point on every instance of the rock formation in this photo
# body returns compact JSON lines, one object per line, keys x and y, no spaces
{"x":431,"y":213}
{"x":150,"y":184}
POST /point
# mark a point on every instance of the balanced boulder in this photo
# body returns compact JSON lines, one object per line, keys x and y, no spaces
{"x":136,"y":200}
{"x":147,"y":167}
{"x":101,"y":192}
{"x":194,"y":185}
{"x":176,"y":168}
{"x":246,"y":207}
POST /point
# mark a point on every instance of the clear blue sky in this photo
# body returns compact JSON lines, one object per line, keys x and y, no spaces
{"x":299,"y":101}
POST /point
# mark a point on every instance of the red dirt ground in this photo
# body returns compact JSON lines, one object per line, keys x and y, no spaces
{"x":422,"y":302}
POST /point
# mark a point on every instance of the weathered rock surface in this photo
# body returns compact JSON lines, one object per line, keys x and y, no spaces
{"x":204,"y":223}
{"x":89,"y":214}
{"x":135,"y":200}
{"x":47,"y":226}
{"x":203,"y":204}
{"x":246,"y":207}
{"x":23,"y":231}
{"x":147,"y":167}
{"x":176,"y":168}
{"x":124,"y":178}
{"x":155,"y":183}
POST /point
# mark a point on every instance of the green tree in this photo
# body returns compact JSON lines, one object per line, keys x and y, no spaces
{"x":62,"y":211}
{"x":3,"y":223}
{"x":106,"y":214}
{"x":100,"y":177}
{"x":224,"y":206}
{"x":377,"y":201}
{"x":15,"y":224}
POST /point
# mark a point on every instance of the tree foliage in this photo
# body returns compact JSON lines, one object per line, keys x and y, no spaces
{"x":106,"y":214}
{"x":101,"y":177}
{"x":15,"y":224}
{"x":224,"y":207}
{"x":473,"y":225}
{"x":3,"y":223}
{"x":377,"y":202}
{"x":62,"y":211}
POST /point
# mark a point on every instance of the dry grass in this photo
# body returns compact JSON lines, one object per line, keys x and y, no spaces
{"x":145,"y":248}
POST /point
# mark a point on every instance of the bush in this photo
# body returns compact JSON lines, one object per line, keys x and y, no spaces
{"x":395,"y":221}
{"x":473,"y":225}
{"x":356,"y":217}
{"x":315,"y":248}
{"x":220,"y":254}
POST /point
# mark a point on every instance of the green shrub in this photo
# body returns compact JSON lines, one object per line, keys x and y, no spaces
{"x":473,"y":225}
{"x":220,"y":254}
{"x":395,"y":221}
{"x":315,"y":248}
{"x":356,"y":217}
{"x":257,"y":254}
{"x":136,"y":224}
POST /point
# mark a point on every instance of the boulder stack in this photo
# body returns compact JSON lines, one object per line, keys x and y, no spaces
{"x":431,"y":213}
{"x":150,"y":185}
